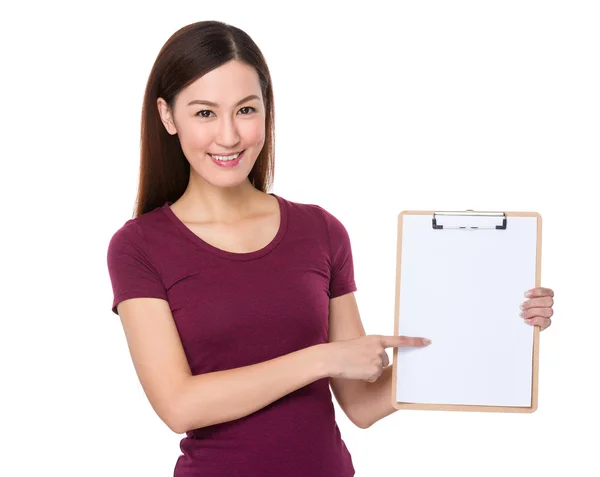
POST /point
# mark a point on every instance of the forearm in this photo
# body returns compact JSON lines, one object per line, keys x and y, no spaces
{"x":222,"y":396}
{"x":373,"y":401}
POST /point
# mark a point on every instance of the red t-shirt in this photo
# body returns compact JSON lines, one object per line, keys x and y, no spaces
{"x":238,"y":309}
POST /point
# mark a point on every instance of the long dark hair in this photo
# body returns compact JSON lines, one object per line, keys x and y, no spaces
{"x":190,"y":53}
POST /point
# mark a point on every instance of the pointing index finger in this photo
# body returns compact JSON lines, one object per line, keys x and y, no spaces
{"x":395,"y":341}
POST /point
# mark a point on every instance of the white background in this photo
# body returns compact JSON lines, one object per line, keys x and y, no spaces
{"x":380,"y":107}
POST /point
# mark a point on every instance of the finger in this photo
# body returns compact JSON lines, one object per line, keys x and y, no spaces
{"x":539,"y":291}
{"x":544,"y":302}
{"x":533,"y":312}
{"x":395,"y":341}
{"x":543,"y":323}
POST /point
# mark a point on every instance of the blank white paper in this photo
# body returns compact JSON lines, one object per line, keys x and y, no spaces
{"x":462,"y":289}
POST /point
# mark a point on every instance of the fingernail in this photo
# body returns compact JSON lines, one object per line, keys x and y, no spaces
{"x":521,"y":306}
{"x":426,"y":341}
{"x":528,"y":294}
{"x":522,"y":313}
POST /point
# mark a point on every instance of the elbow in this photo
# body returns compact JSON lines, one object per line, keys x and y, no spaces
{"x":174,"y":422}
{"x":360,"y":422}
{"x":175,"y":426}
{"x":179,"y":415}
{"x":175,"y":417}
{"x":180,"y":420}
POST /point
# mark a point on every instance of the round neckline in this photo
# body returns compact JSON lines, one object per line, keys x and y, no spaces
{"x":283,"y":215}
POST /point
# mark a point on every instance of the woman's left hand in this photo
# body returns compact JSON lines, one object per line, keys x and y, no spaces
{"x":538,"y":309}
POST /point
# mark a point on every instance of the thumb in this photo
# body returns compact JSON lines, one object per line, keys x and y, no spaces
{"x":395,"y":341}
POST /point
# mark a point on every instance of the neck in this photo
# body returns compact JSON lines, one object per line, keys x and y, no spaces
{"x":207,"y":203}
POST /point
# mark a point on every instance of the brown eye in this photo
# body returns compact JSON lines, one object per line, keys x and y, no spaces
{"x":247,"y":107}
{"x":200,"y":113}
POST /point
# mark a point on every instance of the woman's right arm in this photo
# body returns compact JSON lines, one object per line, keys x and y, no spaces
{"x":186,"y":402}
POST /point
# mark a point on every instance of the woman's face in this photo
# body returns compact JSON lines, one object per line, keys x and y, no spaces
{"x":221,"y":113}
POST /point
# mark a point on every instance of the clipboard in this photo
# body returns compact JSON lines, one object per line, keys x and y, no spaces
{"x":460,"y":278}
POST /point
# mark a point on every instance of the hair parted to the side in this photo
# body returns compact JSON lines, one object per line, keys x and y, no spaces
{"x":190,"y":53}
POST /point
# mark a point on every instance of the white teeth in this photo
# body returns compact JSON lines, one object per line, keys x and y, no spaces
{"x":225,"y":158}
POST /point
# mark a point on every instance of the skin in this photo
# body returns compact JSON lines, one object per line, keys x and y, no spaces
{"x":216,"y":194}
{"x":537,"y":310}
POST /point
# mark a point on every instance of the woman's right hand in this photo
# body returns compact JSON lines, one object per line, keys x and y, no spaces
{"x":365,"y":357}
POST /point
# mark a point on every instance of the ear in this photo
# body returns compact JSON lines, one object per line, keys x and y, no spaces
{"x":166,"y":116}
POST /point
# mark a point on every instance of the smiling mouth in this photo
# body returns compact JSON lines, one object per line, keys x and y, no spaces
{"x":231,"y":154}
{"x":232,"y":158}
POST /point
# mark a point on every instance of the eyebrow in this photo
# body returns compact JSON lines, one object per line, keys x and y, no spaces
{"x":210,"y":103}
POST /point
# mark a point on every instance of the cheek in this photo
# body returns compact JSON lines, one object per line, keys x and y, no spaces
{"x":194,"y":138}
{"x":253,"y":132}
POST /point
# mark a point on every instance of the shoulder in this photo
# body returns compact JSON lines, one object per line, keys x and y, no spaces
{"x":128,"y":232}
{"x":126,"y":244}
{"x":137,"y":230}
{"x":311,"y":211}
{"x":128,"y":252}
{"x":132,"y":236}
{"x":317,"y":216}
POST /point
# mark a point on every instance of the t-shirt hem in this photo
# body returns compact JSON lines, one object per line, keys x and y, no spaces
{"x":127,"y":296}
{"x":343,"y":290}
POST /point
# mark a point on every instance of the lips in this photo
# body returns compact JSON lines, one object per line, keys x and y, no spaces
{"x":228,"y":163}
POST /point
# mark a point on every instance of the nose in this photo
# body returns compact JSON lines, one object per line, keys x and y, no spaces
{"x":228,"y":135}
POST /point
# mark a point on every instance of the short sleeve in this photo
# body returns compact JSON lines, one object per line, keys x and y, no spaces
{"x":342,"y":264}
{"x":132,"y":273}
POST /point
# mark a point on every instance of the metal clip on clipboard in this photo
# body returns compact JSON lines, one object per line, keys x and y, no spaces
{"x":470,"y":212}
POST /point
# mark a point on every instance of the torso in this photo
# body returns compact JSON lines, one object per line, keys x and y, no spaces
{"x":248,"y":235}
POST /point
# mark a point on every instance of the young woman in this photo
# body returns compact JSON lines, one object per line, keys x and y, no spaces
{"x":237,"y":304}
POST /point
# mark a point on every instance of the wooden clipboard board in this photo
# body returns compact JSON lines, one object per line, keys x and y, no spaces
{"x":422,"y":382}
